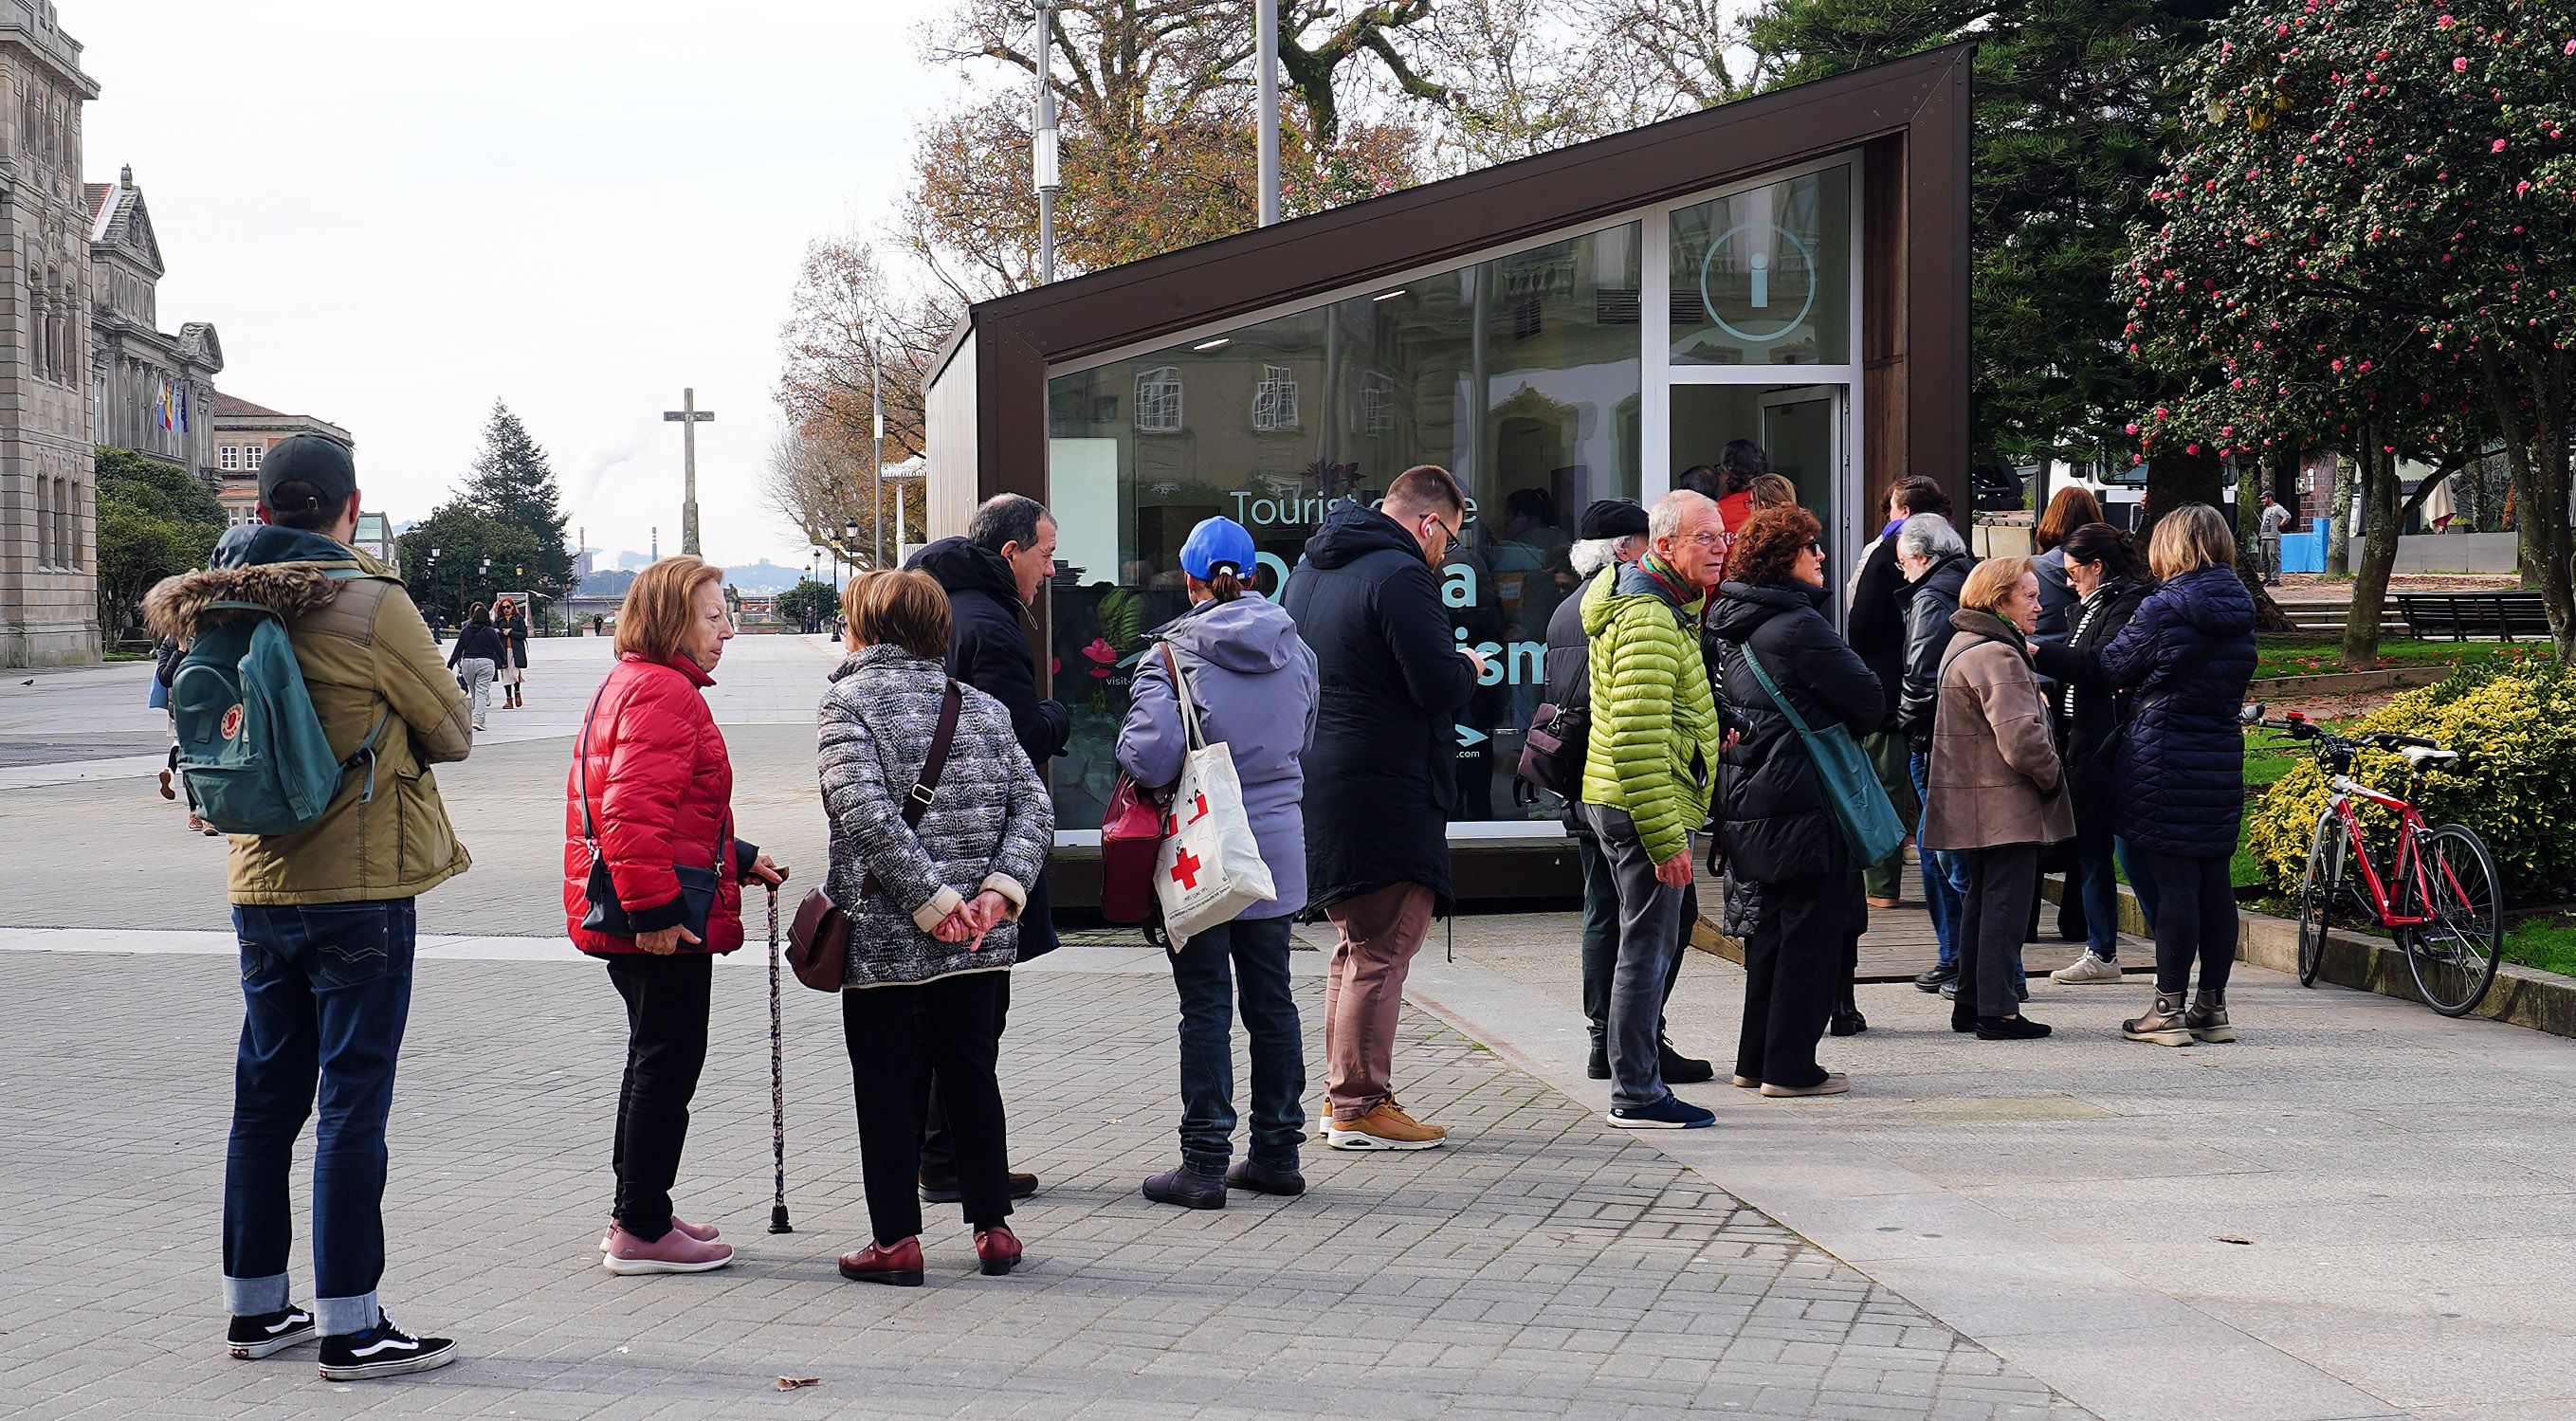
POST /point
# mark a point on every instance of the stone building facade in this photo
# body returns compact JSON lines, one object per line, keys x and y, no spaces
{"x":242,"y":434}
{"x":48,"y":537}
{"x":152,"y":391}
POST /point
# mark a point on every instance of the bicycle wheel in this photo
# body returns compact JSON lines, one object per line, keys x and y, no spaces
{"x":2317,"y":893}
{"x":2454,"y":955}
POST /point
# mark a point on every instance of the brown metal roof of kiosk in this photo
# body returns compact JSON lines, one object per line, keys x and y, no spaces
{"x":1909,"y":119}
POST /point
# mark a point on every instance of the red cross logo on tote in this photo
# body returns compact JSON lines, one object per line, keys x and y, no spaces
{"x":1200,"y":808}
{"x":1185,"y":869}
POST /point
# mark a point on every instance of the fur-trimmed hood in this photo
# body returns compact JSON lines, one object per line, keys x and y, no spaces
{"x":278,"y":568}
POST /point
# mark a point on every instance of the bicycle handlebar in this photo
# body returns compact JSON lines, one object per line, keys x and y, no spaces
{"x":2329,"y":744}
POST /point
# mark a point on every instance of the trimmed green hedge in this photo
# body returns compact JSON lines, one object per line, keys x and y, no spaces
{"x":2516,"y":787}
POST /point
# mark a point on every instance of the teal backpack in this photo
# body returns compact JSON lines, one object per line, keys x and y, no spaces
{"x":251,"y":747}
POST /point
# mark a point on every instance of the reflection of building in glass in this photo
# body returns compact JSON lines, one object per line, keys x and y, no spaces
{"x":1274,"y":401}
{"x":1158,"y":400}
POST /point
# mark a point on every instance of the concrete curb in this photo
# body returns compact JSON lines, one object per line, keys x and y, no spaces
{"x":2336,"y":683}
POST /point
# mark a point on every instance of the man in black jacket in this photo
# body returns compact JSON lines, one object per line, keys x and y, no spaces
{"x":1382,"y":777}
{"x":1876,"y":629}
{"x":1935,"y":561}
{"x":993,"y":575}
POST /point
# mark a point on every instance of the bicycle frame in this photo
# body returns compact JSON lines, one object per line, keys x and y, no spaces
{"x":2410,"y":825}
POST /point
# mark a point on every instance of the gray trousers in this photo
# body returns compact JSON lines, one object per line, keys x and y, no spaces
{"x":1650,"y":920}
{"x":478,"y":672}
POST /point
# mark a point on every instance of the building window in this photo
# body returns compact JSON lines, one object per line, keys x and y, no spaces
{"x":1377,"y":404}
{"x":228,"y":457}
{"x":252,"y":454}
{"x":1158,"y":400}
{"x":1274,"y":400}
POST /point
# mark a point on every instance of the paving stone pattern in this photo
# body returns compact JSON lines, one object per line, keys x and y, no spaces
{"x":1543,"y":1265}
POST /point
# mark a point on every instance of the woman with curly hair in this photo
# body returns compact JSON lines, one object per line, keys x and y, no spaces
{"x":1781,"y":836}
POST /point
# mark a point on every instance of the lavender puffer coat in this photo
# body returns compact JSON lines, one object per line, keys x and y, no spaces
{"x":989,"y":825}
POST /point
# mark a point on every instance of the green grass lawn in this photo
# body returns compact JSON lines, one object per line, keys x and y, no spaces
{"x":2322,"y":656}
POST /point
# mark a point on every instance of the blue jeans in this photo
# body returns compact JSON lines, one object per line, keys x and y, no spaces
{"x":1945,"y":875}
{"x":327,"y":990}
{"x":1249,"y":955}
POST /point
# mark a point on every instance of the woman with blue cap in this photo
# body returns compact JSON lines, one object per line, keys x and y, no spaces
{"x":1253,"y":682}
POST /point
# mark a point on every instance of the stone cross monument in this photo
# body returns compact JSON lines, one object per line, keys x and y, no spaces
{"x":688,"y":416}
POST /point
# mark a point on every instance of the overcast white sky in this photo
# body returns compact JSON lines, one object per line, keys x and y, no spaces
{"x":394,"y":214}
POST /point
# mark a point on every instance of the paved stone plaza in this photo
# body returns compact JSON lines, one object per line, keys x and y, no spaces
{"x":1979,"y":1230}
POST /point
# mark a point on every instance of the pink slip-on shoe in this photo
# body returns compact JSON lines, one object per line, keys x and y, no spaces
{"x":703,"y":1233}
{"x":673,"y":1252}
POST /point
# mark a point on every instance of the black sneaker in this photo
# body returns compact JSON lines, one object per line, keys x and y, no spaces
{"x":2009,"y":1028}
{"x":1846,"y":1021}
{"x":1678,"y":1069}
{"x":1671,"y":1113}
{"x":1931,"y":978}
{"x":383,"y":1350}
{"x":269,"y":1333}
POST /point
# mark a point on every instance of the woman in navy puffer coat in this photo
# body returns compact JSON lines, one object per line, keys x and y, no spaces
{"x":2180,"y":772}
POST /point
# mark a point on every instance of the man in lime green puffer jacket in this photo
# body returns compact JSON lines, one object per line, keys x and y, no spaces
{"x":1646,"y":779}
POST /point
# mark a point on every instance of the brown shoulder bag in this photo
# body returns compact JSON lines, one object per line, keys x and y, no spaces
{"x":818,"y":946}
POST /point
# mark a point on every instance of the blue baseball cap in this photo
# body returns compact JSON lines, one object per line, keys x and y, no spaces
{"x":1218,"y":542}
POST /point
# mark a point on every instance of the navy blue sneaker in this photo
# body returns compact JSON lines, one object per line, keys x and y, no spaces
{"x":1670,"y":1113}
{"x":268,"y":1334}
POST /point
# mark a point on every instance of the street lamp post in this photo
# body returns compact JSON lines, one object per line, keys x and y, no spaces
{"x":1043,"y":160}
{"x":1266,"y":74}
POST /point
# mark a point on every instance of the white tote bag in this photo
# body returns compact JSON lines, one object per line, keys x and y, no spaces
{"x":1210,"y":867}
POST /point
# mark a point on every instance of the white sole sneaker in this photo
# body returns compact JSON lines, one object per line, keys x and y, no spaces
{"x":2087,"y":968}
{"x":641,"y":1267}
{"x":1362,"y":1140}
{"x":428,"y":1361}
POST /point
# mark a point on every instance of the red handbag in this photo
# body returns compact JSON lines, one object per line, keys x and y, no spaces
{"x":1131,"y":835}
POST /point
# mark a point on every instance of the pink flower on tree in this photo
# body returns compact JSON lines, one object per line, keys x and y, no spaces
{"x":2460,"y":64}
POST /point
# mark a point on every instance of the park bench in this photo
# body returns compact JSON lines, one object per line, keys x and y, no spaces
{"x":2462,"y":615}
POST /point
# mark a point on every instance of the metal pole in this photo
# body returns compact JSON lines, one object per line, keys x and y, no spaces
{"x":876,"y":415}
{"x":1266,"y":74}
{"x":1044,"y":158}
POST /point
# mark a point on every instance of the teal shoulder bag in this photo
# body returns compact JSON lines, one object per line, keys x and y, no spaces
{"x":1860,"y":806}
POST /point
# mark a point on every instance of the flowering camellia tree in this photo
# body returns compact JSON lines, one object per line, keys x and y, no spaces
{"x":2367,"y":232}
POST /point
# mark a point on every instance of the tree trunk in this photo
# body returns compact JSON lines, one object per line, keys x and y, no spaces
{"x":2378,"y":557}
{"x":2174,"y":479}
{"x":2268,"y":616}
{"x":2536,"y":450}
{"x":2339,"y":520}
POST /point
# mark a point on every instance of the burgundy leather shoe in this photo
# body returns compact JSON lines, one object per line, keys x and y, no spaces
{"x":897,"y":1264}
{"x":997,"y":1250}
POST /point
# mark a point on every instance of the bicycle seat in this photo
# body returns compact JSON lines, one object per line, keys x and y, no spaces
{"x":2420,"y":756}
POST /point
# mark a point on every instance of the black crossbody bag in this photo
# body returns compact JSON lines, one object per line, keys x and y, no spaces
{"x":607,"y":916}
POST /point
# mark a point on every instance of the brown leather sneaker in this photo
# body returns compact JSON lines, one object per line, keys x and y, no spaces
{"x":1385,"y":1127}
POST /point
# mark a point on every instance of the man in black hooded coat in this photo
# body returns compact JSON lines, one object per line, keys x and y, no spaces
{"x":992,"y":576}
{"x":1381,"y":779}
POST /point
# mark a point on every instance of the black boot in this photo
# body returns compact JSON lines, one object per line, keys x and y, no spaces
{"x":1846,"y":1020}
{"x":1679,"y":1069}
{"x":1598,"y":1067}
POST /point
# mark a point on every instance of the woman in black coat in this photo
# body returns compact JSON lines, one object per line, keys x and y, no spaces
{"x":1779,"y":833}
{"x":2179,"y":773}
{"x":2110,"y":581}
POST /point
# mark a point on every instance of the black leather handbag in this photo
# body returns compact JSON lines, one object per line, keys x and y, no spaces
{"x":607,"y":916}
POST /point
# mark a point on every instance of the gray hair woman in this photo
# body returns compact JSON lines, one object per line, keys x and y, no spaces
{"x":933,"y":906}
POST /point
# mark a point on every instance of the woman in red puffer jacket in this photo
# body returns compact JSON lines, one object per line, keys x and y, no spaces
{"x":650,"y":769}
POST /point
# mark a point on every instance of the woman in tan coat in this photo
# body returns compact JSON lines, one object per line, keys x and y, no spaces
{"x":1996,"y":788}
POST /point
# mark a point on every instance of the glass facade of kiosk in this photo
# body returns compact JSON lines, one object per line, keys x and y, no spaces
{"x":1525,"y":374}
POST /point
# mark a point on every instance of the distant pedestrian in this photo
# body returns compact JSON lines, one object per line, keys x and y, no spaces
{"x":1935,"y":562}
{"x":1647,"y":773}
{"x":1252,"y":681}
{"x":476,"y":659}
{"x":325,"y":915}
{"x":512,"y":623}
{"x":993,"y":576}
{"x":1996,"y":792}
{"x":2276,"y":520}
{"x":1875,"y":627}
{"x":2179,"y":778}
{"x":2087,"y":715}
{"x":1783,"y":844}
{"x":1381,"y":779}
{"x":936,"y":911}
{"x":1613,"y":535}
{"x":650,"y":794}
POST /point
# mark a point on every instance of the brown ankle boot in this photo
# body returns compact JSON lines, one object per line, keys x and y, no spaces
{"x":2162,"y":1025}
{"x":2207,"y":1019}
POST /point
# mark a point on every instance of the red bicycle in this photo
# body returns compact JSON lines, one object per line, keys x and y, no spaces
{"x":2438,"y":892}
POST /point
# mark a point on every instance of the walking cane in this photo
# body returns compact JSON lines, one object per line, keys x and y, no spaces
{"x":777,"y":1087}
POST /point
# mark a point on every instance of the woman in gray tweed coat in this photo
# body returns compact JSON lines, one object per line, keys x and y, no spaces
{"x":932,"y":910}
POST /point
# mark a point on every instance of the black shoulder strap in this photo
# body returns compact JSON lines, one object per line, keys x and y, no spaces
{"x":926,"y":784}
